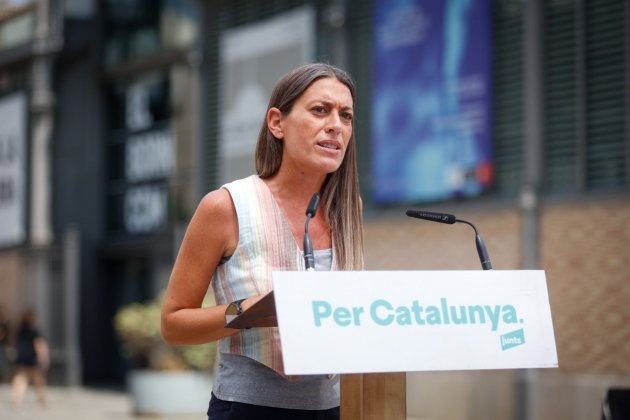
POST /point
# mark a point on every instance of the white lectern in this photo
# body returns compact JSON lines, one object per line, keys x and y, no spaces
{"x":373,"y":326}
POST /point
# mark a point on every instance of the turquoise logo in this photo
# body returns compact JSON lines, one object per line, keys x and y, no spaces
{"x":512,"y":339}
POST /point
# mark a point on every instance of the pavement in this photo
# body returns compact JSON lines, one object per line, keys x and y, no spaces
{"x":78,"y":404}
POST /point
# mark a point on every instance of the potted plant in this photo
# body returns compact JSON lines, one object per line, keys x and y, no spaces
{"x":163,"y":379}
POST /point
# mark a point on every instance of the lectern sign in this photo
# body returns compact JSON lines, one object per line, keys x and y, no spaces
{"x":401,"y":321}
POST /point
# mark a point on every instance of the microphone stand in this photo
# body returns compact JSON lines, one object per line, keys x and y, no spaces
{"x":309,"y":255}
{"x":481,"y":247}
{"x":449,"y":219}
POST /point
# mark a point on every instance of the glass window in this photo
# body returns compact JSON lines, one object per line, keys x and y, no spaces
{"x":139,"y":28}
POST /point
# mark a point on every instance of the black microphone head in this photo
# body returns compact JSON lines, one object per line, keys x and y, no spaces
{"x":312,"y":205}
{"x":449,"y":219}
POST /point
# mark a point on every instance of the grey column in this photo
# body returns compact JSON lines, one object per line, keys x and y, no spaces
{"x":71,"y":263}
{"x":46,"y":41}
{"x":533,"y":85}
{"x":335,"y":17}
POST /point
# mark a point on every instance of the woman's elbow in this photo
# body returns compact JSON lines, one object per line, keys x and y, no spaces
{"x":168,"y":331}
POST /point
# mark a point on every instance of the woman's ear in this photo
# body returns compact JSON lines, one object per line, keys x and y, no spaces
{"x":274,"y":122}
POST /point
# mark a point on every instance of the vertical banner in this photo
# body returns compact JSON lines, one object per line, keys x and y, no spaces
{"x":12,"y":169}
{"x":431,"y":106}
{"x":253,"y":58}
{"x":142,"y":155}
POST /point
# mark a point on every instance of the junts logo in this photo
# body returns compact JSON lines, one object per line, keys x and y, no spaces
{"x":512,"y":339}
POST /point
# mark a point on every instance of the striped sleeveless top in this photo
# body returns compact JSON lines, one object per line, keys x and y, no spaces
{"x":265,"y":244}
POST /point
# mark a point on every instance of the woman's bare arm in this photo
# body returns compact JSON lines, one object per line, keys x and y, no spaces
{"x":211,"y":234}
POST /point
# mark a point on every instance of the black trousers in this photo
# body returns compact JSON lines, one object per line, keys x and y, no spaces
{"x":227,"y":410}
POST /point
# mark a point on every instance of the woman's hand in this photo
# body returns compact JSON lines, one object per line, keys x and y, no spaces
{"x":250,"y":301}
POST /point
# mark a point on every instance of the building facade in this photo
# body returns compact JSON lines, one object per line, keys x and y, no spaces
{"x":100,"y":166}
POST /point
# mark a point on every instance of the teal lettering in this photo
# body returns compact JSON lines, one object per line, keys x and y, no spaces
{"x":417,"y":312}
{"x":472,"y":310}
{"x":403,"y":316}
{"x":383,"y":313}
{"x":509,"y":314}
{"x":374,"y":308}
{"x":321,"y":310}
{"x":493,"y":315}
{"x":462,"y":318}
{"x":444,"y":311}
{"x":433,"y":315}
{"x":356,"y":314}
{"x":342,"y":316}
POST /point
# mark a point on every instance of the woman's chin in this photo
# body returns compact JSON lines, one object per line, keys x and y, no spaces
{"x":331,"y":165}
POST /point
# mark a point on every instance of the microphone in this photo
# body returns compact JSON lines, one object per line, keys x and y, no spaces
{"x":449,"y":219}
{"x":309,"y":256}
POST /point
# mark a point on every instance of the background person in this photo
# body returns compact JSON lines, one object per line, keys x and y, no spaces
{"x":4,"y":345}
{"x":249,"y":228}
{"x":31,"y":361}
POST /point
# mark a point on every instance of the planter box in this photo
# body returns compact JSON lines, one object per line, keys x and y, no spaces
{"x":155,"y":392}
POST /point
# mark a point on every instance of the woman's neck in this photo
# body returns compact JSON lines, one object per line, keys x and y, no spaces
{"x":295,"y":188}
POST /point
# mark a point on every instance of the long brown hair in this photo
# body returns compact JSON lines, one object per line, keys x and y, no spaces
{"x":340,"y":193}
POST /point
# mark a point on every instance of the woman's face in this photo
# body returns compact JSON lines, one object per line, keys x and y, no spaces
{"x":318,"y":128}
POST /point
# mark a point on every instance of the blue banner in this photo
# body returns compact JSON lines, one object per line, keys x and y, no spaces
{"x":431,"y":106}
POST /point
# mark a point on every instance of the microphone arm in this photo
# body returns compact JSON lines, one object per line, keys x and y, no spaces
{"x":449,"y":219}
{"x":481,"y":247}
{"x":309,"y":255}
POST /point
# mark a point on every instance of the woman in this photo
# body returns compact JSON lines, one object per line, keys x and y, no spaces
{"x":31,"y":362}
{"x":249,"y":228}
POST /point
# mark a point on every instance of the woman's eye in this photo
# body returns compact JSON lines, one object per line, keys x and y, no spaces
{"x":347,"y":116}
{"x":319,"y":109}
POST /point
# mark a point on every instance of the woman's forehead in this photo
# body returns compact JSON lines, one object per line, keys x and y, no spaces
{"x":328,"y":88}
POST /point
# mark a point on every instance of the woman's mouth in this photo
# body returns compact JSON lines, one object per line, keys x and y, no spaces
{"x":330,"y":144}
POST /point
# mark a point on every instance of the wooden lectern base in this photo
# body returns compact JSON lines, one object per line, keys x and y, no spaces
{"x":374,"y":396}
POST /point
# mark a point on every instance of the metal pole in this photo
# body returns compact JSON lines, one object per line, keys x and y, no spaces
{"x":71,"y":286}
{"x":335,"y":17}
{"x":533,"y":155}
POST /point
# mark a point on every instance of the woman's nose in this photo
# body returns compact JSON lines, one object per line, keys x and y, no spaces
{"x":334,"y":122}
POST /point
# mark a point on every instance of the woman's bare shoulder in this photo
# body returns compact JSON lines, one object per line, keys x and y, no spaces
{"x":217,"y":203}
{"x":217,"y":216}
